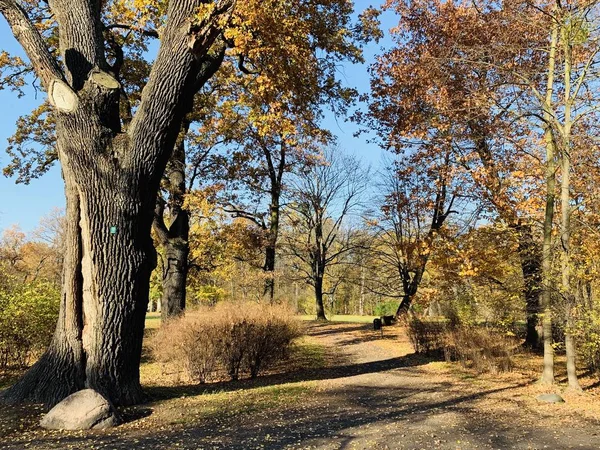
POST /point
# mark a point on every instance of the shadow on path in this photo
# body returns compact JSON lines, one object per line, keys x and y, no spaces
{"x":398,"y":416}
{"x":327,"y":373}
{"x":401,"y":406}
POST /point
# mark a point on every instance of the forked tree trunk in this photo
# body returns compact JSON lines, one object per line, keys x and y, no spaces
{"x":410,"y":283}
{"x":112,"y":178}
{"x":276,"y":180}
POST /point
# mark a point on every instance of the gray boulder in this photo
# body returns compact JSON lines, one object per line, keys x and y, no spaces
{"x":550,"y":398}
{"x":83,"y":410}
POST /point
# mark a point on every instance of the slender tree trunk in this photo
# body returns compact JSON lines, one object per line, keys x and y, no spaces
{"x":361,"y":304}
{"x":548,"y":372}
{"x":319,"y":265}
{"x":565,"y":199}
{"x":440,"y":214}
{"x":296,"y":295}
{"x":547,"y":253}
{"x":319,"y":298}
{"x":270,"y":250}
{"x":269,"y":269}
{"x":528,"y":249}
{"x":404,"y":305}
{"x":273,"y":232}
{"x":411,"y":285}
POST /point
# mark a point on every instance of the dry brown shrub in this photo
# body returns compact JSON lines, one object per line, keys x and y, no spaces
{"x":480,"y":348}
{"x":426,"y":336}
{"x":230,"y":339}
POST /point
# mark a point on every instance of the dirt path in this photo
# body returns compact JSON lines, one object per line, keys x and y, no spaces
{"x":411,"y":402}
{"x":378,"y":395}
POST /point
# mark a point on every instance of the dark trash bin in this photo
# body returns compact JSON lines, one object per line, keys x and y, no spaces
{"x":377,"y":324}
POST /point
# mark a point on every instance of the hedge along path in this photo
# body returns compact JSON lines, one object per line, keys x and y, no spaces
{"x":377,"y":395}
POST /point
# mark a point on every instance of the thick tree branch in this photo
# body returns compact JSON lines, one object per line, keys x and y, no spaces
{"x":81,"y":38}
{"x":44,"y":64}
{"x":182,"y":66}
{"x":241,"y":214}
{"x":160,"y":228}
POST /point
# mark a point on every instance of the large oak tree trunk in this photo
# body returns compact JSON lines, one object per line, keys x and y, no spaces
{"x":112,"y":177}
{"x":117,"y":260}
{"x":61,"y":370}
{"x":97,"y":343}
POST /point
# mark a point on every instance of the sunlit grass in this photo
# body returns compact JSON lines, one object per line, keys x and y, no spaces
{"x":152,"y":320}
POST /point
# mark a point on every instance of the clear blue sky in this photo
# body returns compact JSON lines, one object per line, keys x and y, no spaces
{"x":21,"y":204}
{"x":25,"y":205}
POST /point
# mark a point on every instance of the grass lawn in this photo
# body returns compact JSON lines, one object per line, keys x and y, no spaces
{"x":152,"y":320}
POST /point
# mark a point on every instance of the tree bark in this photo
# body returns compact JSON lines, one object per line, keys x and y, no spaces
{"x":404,"y":305}
{"x":175,"y":238}
{"x":319,"y":298}
{"x":97,"y":343}
{"x":271,"y":248}
{"x":276,"y":179}
{"x":61,"y":370}
{"x":173,"y":300}
{"x":565,"y":206}
{"x":361,"y":304}
{"x":528,"y":249}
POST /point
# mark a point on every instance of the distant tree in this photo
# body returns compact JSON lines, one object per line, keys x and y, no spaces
{"x":454,"y":80}
{"x":322,"y":201}
{"x":416,"y":199}
{"x":255,"y":122}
